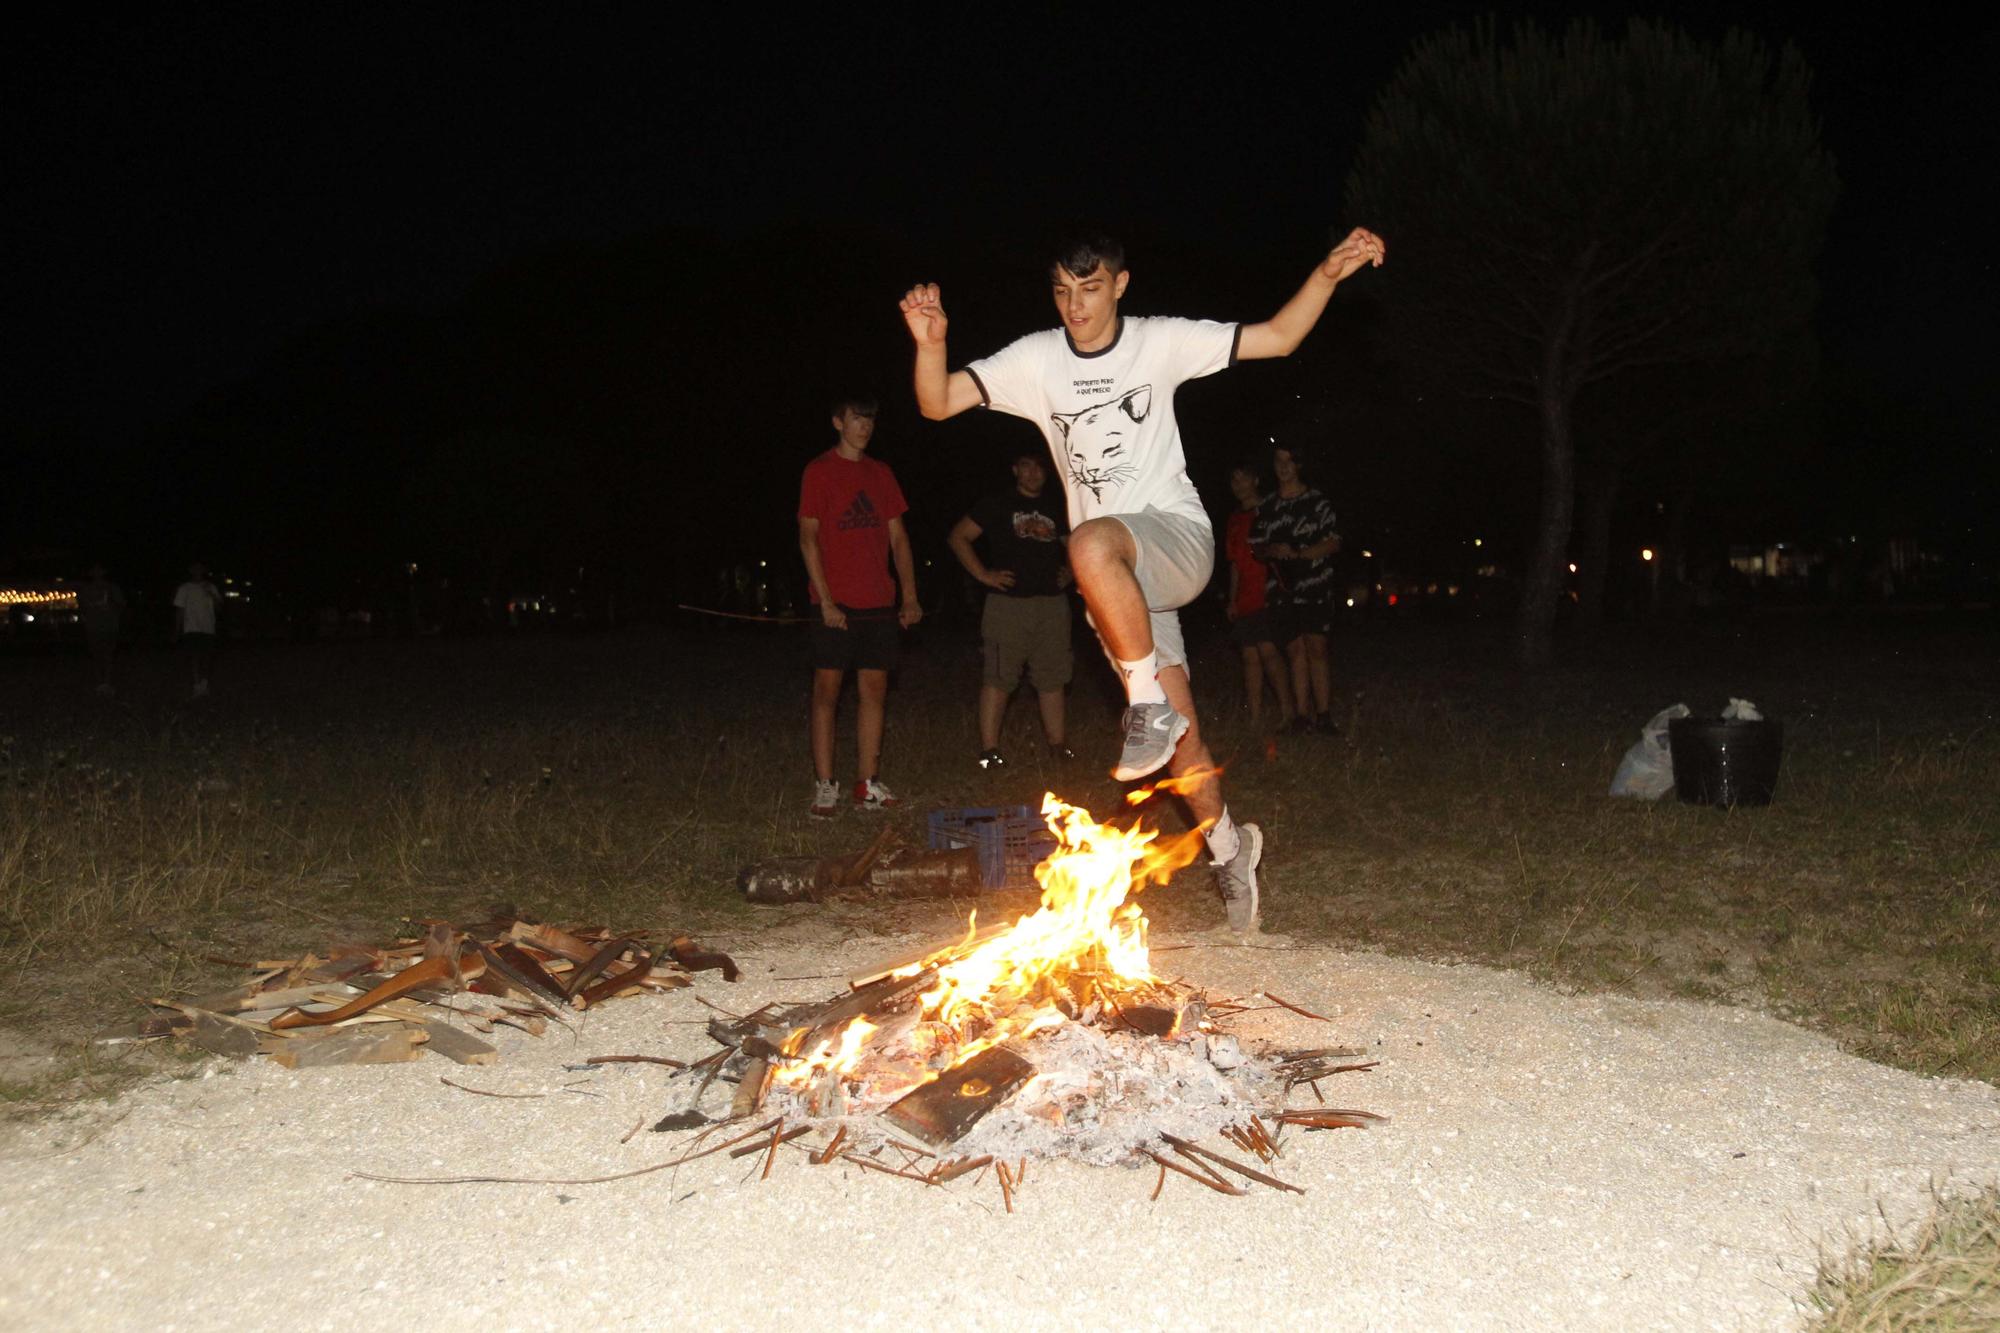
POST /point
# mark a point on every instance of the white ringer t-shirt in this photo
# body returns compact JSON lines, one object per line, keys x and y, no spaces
{"x":1109,"y":415}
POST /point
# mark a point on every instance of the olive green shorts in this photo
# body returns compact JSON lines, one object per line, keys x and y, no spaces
{"x":1031,"y":632}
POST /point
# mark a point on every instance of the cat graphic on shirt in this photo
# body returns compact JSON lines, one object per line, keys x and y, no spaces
{"x":1097,"y":440}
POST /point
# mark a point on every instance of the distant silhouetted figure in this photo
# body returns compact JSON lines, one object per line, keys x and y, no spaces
{"x":196,"y":603}
{"x":102,"y":606}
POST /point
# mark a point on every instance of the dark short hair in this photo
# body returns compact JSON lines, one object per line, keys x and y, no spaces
{"x":1249,"y":467}
{"x":1301,"y":456}
{"x":1081,"y":252}
{"x":1031,"y":453}
{"x":861,"y":404}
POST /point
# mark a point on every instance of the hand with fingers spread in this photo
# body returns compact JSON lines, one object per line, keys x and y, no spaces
{"x":923,"y":311}
{"x":1362,"y":249}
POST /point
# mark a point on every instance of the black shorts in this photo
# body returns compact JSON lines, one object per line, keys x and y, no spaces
{"x":869,"y":643}
{"x":1293,"y":619}
{"x":1252,"y":629}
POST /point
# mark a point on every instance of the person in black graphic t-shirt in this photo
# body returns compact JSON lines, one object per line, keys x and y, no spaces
{"x":1027,"y":617}
{"x":1294,"y":536}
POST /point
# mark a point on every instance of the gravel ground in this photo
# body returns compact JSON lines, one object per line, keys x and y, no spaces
{"x":1588,"y":1162}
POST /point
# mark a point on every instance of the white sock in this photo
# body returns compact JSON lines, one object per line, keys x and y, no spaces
{"x":1223,"y":839}
{"x":1142,"y":680}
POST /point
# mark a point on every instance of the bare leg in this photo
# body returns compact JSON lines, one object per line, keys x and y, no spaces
{"x":1053,"y":727}
{"x":992,"y":709}
{"x":1301,"y":674}
{"x":1204,"y":797}
{"x":1253,"y":683}
{"x":1102,"y":554}
{"x":825,"y":698}
{"x":873,"y":688}
{"x":1317,"y":668}
{"x":1281,"y":678}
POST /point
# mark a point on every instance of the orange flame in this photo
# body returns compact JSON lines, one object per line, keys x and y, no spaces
{"x":1084,"y":919}
{"x":1175,"y":786}
{"x":999,"y":990}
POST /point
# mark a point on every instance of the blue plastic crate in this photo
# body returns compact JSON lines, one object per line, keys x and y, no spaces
{"x":1011,"y":840}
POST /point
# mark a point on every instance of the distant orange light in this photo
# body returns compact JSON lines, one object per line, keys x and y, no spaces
{"x":1645,"y":553}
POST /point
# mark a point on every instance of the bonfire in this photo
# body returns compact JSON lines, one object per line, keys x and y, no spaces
{"x":1049,"y":1037}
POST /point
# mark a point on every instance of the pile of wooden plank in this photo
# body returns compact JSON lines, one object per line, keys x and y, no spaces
{"x":438,"y":991}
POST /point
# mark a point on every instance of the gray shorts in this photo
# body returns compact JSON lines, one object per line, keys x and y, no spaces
{"x":1176,"y":557}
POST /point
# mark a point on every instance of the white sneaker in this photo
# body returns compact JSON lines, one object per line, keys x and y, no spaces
{"x":826,"y":800}
{"x":1151,"y":733}
{"x":871,"y":794}
{"x":1236,"y":878}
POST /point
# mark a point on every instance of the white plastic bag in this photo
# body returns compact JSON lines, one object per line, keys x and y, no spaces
{"x":1741,"y":710}
{"x":1647,"y":770}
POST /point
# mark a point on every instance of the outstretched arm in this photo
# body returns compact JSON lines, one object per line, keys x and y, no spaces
{"x":941,"y":392}
{"x":1281,"y":334}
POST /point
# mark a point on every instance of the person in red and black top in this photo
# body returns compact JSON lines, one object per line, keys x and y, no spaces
{"x":1249,"y":618}
{"x":850,"y":527}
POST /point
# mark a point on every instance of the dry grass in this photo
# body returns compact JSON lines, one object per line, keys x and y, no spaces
{"x":1462,"y":814}
{"x":1944,"y":1276}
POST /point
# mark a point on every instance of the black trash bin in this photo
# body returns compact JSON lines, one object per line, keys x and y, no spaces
{"x":1725,"y":761}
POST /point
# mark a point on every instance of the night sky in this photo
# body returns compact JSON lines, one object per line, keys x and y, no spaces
{"x":194,"y":191}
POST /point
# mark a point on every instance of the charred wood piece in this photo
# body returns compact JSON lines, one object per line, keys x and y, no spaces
{"x":942,"y":1111}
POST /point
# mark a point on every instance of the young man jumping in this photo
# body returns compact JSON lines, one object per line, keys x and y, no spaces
{"x":1101,"y":389}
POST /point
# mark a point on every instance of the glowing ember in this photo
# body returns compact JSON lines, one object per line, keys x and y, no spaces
{"x":1085,"y":945}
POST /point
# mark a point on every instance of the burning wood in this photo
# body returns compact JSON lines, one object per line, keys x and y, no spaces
{"x":942,"y":1111}
{"x":1051,"y":1037}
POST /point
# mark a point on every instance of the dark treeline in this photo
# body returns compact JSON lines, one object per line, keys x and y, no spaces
{"x":640,"y":411}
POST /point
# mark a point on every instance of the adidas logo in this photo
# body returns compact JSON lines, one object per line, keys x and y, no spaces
{"x":860,"y":514}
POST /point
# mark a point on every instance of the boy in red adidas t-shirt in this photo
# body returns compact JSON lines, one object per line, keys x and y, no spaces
{"x":850,"y":527}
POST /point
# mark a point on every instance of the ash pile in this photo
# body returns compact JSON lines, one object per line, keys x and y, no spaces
{"x":1103,"y":1073}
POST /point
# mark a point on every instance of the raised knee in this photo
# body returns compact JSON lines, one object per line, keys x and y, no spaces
{"x":1098,"y":540}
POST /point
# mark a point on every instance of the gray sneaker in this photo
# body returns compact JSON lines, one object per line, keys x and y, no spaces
{"x":1151,"y":733}
{"x":1237,"y":879}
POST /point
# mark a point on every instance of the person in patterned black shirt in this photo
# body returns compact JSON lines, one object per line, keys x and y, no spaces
{"x":1295,"y":538}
